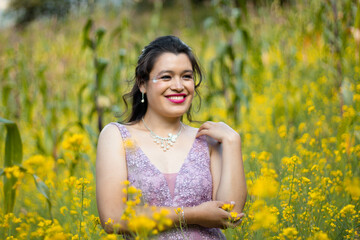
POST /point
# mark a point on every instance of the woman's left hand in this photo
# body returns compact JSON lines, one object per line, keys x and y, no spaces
{"x":219,"y":131}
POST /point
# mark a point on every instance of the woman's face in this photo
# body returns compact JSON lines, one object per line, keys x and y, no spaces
{"x":170,"y":89}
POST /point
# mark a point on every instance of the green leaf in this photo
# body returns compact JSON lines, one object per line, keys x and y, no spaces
{"x":357,"y":18}
{"x":44,"y":190}
{"x":80,"y":101}
{"x":13,"y":156}
{"x":346,"y":91}
{"x":100,"y":32}
{"x":100,"y":65}
{"x":9,"y":193}
{"x":13,"y":145}
{"x":86,"y":31}
{"x":42,"y":187}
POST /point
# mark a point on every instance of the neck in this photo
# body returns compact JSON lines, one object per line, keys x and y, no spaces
{"x":162,"y":125}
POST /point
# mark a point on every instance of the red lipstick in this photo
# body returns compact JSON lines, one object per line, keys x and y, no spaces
{"x":176,"y":98}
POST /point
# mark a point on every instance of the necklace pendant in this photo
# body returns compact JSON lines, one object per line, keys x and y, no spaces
{"x":165,"y":143}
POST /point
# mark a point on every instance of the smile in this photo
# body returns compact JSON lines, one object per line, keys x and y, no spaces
{"x":176,"y":98}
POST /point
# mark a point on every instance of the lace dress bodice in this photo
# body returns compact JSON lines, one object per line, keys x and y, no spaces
{"x":193,"y":184}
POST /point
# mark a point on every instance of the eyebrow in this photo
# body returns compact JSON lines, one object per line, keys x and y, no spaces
{"x":172,"y":72}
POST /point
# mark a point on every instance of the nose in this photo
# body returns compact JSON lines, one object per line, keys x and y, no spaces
{"x":177,"y":84}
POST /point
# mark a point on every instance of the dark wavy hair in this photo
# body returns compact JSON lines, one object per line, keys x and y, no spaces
{"x":146,"y":61}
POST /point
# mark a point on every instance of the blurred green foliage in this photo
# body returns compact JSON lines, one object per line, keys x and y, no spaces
{"x":285,"y":75}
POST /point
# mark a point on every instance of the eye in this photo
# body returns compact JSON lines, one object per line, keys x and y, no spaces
{"x":165,"y":78}
{"x":188,"y":77}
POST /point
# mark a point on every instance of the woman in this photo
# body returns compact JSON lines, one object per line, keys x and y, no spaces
{"x":175,"y":165}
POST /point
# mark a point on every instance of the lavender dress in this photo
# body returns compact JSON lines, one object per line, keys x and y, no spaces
{"x":191,"y":186}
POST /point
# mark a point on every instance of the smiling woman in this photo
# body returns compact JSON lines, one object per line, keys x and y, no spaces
{"x":172,"y":91}
{"x":191,"y":172}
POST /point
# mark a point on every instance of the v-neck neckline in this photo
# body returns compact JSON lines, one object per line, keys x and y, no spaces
{"x":171,"y":196}
{"x":152,"y":164}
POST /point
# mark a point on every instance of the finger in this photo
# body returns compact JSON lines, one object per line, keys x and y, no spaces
{"x":238,"y":222}
{"x":220,"y":203}
{"x":229,"y":224}
{"x":202,"y":132}
{"x":206,"y":125}
{"x":203,"y":126}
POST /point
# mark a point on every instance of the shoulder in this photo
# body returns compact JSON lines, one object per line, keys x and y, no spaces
{"x":191,"y":129}
{"x":110,"y":130}
{"x":110,"y":135}
{"x":211,"y":143}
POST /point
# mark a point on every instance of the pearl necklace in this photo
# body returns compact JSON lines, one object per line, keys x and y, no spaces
{"x":165,"y":143}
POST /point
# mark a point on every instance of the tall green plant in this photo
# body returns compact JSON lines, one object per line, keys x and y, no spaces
{"x":13,"y":158}
{"x":100,"y":64}
{"x":336,"y":31}
{"x":230,"y":57}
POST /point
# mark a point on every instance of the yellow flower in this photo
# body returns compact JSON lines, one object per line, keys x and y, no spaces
{"x":227,"y":207}
{"x":11,"y":238}
{"x":315,"y":197}
{"x":264,"y":217}
{"x":126,"y":182}
{"x":162,"y":221}
{"x":75,"y":142}
{"x":264,"y":187}
{"x":178,"y":211}
{"x":142,"y":225}
{"x":356,"y":97}
{"x":81,"y":183}
{"x":60,"y":161}
{"x":282,"y":131}
{"x":39,"y":164}
{"x":352,"y":187}
{"x":347,"y":210}
{"x":73,"y":212}
{"x":94,"y":219}
{"x":234,"y":217}
{"x":319,"y":236}
{"x":290,"y":233}
{"x":129,"y":144}
{"x":132,"y":190}
{"x":75,"y":237}
{"x":302,"y":126}
{"x":291,"y":162}
{"x":109,"y":221}
{"x":311,"y":109}
{"x":13,"y":171}
{"x":348,"y":111}
{"x":63,"y":209}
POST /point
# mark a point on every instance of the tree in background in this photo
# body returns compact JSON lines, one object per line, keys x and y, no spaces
{"x":28,"y":10}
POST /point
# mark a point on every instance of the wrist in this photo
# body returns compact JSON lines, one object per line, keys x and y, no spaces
{"x":232,"y":139}
{"x":190,"y":215}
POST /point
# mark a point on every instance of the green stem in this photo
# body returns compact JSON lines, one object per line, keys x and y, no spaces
{"x":292,"y":183}
{"x":81,"y":210}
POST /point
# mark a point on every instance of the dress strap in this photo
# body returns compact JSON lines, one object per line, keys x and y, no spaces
{"x":123,"y":130}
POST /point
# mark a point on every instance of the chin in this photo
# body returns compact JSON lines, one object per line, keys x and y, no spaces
{"x":178,"y":113}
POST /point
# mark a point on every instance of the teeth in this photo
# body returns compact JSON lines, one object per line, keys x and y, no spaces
{"x":177,"y":97}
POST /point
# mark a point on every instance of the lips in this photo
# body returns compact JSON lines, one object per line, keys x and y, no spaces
{"x":176,"y":98}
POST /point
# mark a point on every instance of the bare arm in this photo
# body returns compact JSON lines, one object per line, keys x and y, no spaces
{"x":111,"y":171}
{"x":227,"y":164}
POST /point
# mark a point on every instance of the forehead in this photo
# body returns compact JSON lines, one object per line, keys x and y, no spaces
{"x":172,"y":62}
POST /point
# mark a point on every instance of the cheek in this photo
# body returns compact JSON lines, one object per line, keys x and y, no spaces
{"x":191,"y":88}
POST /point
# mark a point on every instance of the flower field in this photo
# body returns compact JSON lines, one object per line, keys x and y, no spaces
{"x":287,"y":78}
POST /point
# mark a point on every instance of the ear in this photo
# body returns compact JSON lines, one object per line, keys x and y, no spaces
{"x":142,"y":87}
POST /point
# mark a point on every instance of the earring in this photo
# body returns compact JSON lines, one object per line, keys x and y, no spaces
{"x":142,"y":97}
